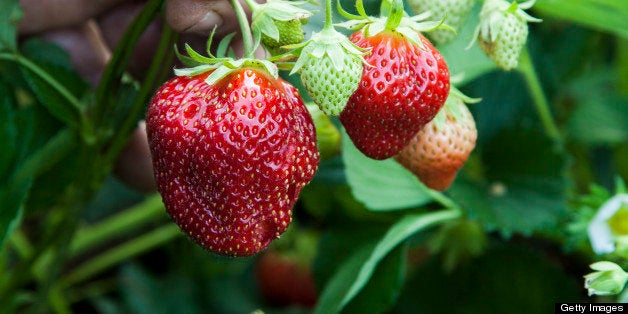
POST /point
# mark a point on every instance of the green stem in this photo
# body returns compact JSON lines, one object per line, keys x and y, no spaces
{"x":54,"y":150}
{"x":120,"y":253}
{"x":75,"y":104}
{"x":243,"y":21}
{"x":443,"y":199}
{"x":252,"y":5}
{"x":394,"y":11}
{"x":526,"y":68}
{"x":21,"y":244}
{"x":105,"y":98}
{"x":118,"y":225}
{"x":329,"y":23}
{"x":154,"y":76}
{"x":41,"y":73}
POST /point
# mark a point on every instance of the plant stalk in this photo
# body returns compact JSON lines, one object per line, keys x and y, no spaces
{"x":526,"y":68}
{"x":120,"y":253}
{"x":247,"y":37}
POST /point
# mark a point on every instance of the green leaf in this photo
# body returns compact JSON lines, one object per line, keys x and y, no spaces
{"x":509,"y":278}
{"x":10,"y":14}
{"x":55,"y":63}
{"x":378,"y":295}
{"x":601,"y":120}
{"x":8,"y":130}
{"x":605,"y":15}
{"x":525,"y":184}
{"x":338,"y":243}
{"x":11,"y":199}
{"x":381,"y":185}
{"x":383,"y":289}
{"x":356,"y":272}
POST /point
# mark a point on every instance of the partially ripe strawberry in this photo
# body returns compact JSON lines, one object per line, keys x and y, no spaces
{"x":454,"y":13}
{"x":441,"y":148}
{"x":403,"y":89}
{"x":503,"y":31}
{"x":231,"y":157}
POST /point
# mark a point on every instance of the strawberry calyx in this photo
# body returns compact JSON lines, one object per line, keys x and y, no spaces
{"x":392,"y":18}
{"x":328,"y":43}
{"x":265,"y":15}
{"x":219,"y":65}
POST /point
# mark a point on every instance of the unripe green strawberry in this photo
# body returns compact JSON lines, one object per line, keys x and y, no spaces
{"x":290,"y":32}
{"x":278,"y":23}
{"x":328,"y":136}
{"x":503,"y":31}
{"x":442,"y":147}
{"x":331,"y":69}
{"x":453,"y":11}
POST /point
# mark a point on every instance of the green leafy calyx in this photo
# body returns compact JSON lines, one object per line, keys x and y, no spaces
{"x":392,"y":18}
{"x":220,"y":65}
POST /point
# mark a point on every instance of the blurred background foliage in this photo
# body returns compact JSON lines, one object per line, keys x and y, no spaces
{"x":77,"y":239}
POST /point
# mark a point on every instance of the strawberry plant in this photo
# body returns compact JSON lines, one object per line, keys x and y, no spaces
{"x":314,"y":158}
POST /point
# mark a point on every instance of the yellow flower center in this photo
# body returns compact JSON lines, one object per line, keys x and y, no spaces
{"x":619,"y":221}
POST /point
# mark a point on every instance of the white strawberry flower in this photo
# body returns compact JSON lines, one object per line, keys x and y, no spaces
{"x":609,"y":226}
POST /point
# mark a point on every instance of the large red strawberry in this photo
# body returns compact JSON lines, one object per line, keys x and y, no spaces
{"x":231,"y":156}
{"x":442,"y":147}
{"x":404,"y":87}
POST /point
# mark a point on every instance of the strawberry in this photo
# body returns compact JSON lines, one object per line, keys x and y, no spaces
{"x":402,"y":91}
{"x":232,"y":148}
{"x":404,"y":87}
{"x":441,"y":148}
{"x":290,"y":32}
{"x":331,"y":68}
{"x":278,"y":23}
{"x":284,"y":280}
{"x":503,"y":31}
{"x":284,"y":271}
{"x":453,"y":12}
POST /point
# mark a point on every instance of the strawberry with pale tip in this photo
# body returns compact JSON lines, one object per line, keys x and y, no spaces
{"x":437,"y":152}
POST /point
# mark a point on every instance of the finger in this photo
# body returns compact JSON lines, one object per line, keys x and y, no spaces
{"x":87,"y":51}
{"x":134,"y":166}
{"x":200,"y":16}
{"x":114,"y":24}
{"x":40,"y":15}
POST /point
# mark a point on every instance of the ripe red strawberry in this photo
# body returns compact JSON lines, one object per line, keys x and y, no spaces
{"x":402,"y":90}
{"x":284,"y":280}
{"x":231,"y":158}
{"x":440,"y":149}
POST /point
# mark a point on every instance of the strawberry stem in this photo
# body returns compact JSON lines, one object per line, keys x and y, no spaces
{"x":243,"y":21}
{"x":526,"y":68}
{"x":122,"y":252}
{"x":394,"y":10}
{"x":329,"y":24}
{"x":125,"y":222}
